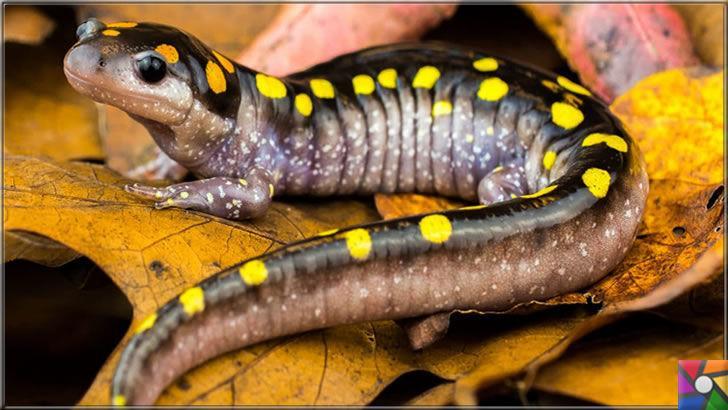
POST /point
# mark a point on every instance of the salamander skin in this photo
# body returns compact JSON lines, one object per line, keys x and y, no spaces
{"x":561,"y":185}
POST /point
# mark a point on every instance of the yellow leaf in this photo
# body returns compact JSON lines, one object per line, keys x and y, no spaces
{"x":676,"y":117}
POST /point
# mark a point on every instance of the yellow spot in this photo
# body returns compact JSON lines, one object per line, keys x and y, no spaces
{"x":436,"y":228}
{"x":612,"y":141}
{"x":322,"y":88}
{"x":170,"y":201}
{"x":210,"y":198}
{"x":327,"y":233}
{"x":513,"y":196}
{"x":550,"y":85}
{"x":226,"y":64}
{"x":388,"y":78}
{"x":572,"y":86}
{"x":110,"y":33}
{"x":184,"y":195}
{"x":541,"y":192}
{"x":441,"y":108}
{"x":359,"y":243}
{"x":486,"y":64}
{"x":270,"y":190}
{"x":472,"y":207}
{"x":254,"y":272}
{"x":597,"y":180}
{"x":122,"y":24}
{"x":363,"y":84}
{"x":168,"y":52}
{"x":490,"y":130}
{"x":269,"y":86}
{"x":566,"y":116}
{"x":426,"y":77}
{"x":158,"y":194}
{"x":492,"y":89}
{"x":469,"y":138}
{"x":304,"y":104}
{"x":193,"y":300}
{"x":548,"y":159}
{"x":215,"y":77}
{"x":243,"y":182}
{"x":497,"y":169}
{"x":118,"y":400}
{"x":147,"y":323}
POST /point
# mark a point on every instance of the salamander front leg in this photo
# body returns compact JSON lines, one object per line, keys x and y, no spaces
{"x":230,"y":198}
{"x":502,"y":184}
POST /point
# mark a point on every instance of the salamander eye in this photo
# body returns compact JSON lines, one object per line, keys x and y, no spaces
{"x":152,"y":69}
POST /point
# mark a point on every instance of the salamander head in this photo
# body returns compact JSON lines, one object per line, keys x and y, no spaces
{"x":184,"y":93}
{"x":135,"y":67}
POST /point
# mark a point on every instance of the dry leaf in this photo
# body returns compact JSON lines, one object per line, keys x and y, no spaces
{"x":39,"y":249}
{"x":676,"y":117}
{"x":301,"y":34}
{"x":705,"y":267}
{"x":25,"y":24}
{"x":613,"y":46}
{"x":441,"y":395}
{"x":44,"y":116}
{"x":706,"y":24}
{"x":703,"y":305}
{"x":392,"y":206}
{"x":633,"y":365}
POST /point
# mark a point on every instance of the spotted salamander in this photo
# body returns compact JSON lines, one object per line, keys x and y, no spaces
{"x":560,"y":185}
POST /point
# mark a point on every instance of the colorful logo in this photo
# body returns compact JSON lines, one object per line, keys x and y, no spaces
{"x":702,"y":384}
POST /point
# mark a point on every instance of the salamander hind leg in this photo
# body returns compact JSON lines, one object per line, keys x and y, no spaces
{"x":230,"y":198}
{"x":502,"y":184}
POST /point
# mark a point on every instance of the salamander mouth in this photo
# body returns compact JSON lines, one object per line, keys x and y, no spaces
{"x":115,"y":96}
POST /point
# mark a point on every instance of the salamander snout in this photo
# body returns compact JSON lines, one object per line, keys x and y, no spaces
{"x":82,"y":63}
{"x":89,"y":28}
